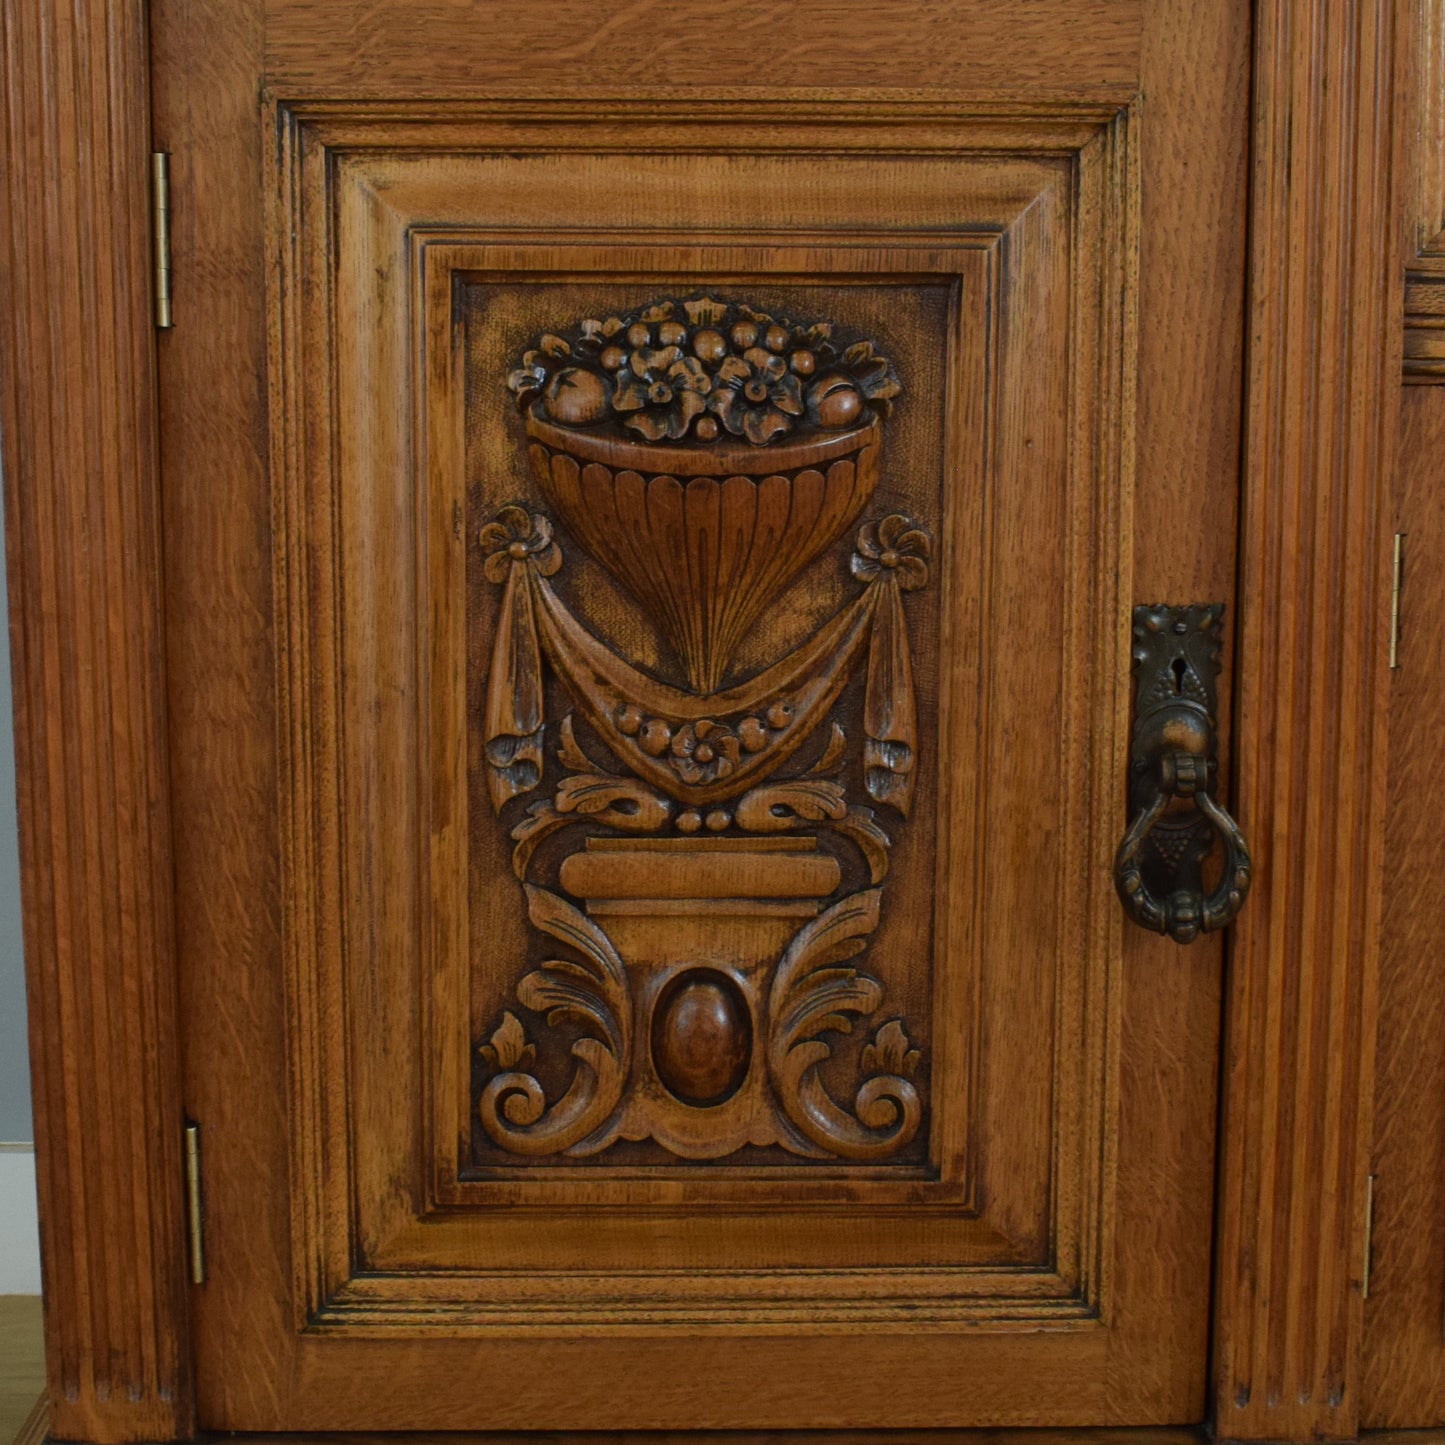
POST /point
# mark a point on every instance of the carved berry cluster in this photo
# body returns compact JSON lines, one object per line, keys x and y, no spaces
{"x":705,"y":750}
{"x":704,"y":369}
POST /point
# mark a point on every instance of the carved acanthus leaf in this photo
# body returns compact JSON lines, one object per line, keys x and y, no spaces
{"x":867,"y":834}
{"x":618,"y":802}
{"x":541,"y":822}
{"x":810,"y":994}
{"x":831,"y":760}
{"x":776,"y":807}
{"x":813,"y":993}
{"x":621,"y":803}
{"x":591,"y":993}
{"x":570,"y":753}
{"x":889,"y":1053}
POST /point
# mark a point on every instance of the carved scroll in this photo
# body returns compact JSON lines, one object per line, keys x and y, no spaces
{"x":592,"y":993}
{"x":812,"y":994}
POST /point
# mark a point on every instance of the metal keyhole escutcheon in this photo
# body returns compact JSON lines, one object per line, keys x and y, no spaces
{"x":1158,"y":870}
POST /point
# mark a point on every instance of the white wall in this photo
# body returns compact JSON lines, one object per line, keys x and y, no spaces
{"x":19,"y":1239}
{"x":19,"y":1230}
{"x":15,"y":1123}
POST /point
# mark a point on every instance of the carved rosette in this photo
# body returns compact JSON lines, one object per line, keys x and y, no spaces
{"x":704,"y":454}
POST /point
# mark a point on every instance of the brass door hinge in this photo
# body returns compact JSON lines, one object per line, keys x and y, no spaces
{"x":1369,"y":1236}
{"x":195,"y":1215}
{"x":161,"y":235}
{"x":1395,"y":599}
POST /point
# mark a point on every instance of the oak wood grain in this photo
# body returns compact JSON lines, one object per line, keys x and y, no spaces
{"x":1404,"y":1345}
{"x":1289,"y":1324}
{"x":394,"y":48}
{"x":1310,"y":721}
{"x":219,"y":521}
{"x":84,"y":562}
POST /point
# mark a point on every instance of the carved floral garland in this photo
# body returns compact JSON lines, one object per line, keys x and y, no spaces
{"x":702,"y":369}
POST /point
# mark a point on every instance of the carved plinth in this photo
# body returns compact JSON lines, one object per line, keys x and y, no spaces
{"x":700,"y":924}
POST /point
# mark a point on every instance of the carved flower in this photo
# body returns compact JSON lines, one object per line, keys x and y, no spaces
{"x":705,"y":311}
{"x":538,"y":367}
{"x":593,"y":335}
{"x":756,"y":396}
{"x":764,"y":376}
{"x":519,"y":536}
{"x":663,"y":389}
{"x":872,"y":375}
{"x":893,"y":545}
{"x":704,"y":750}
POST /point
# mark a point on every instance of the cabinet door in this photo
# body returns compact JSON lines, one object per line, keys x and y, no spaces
{"x":1404,"y":1350}
{"x":654,"y":508}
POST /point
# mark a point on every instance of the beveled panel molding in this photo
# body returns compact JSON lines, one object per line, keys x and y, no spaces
{"x":402,"y":213}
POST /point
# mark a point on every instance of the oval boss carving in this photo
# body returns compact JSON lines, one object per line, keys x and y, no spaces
{"x":702,"y":1037}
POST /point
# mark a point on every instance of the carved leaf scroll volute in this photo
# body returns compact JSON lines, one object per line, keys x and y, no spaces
{"x":592,"y":993}
{"x":704,"y":453}
{"x":813,"y":993}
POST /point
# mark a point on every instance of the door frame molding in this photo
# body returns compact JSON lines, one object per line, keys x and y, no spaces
{"x":84,"y":548}
{"x":1322,"y":404}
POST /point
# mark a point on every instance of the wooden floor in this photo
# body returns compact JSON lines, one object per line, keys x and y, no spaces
{"x":22,"y":1370}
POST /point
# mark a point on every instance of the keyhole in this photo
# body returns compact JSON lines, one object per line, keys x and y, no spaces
{"x":1179,"y":667}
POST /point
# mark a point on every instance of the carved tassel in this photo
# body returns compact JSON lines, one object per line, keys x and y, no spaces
{"x":515,"y":720}
{"x":890,"y":724}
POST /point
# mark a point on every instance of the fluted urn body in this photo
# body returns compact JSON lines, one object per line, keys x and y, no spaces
{"x":704,"y":537}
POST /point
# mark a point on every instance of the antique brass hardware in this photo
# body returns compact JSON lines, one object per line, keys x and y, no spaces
{"x":161,"y":236}
{"x":1398,"y":577}
{"x":195,"y":1218}
{"x":1158,"y":870}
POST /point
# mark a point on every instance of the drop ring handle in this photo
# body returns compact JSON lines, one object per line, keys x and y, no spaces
{"x":1175,"y":820}
{"x":1185,"y":912}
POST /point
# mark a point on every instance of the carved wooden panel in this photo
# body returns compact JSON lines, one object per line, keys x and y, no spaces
{"x":701,"y":738}
{"x":661,"y":688}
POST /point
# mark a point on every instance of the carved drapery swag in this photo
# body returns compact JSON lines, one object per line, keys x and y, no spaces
{"x":641,"y":718}
{"x":704,"y":453}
